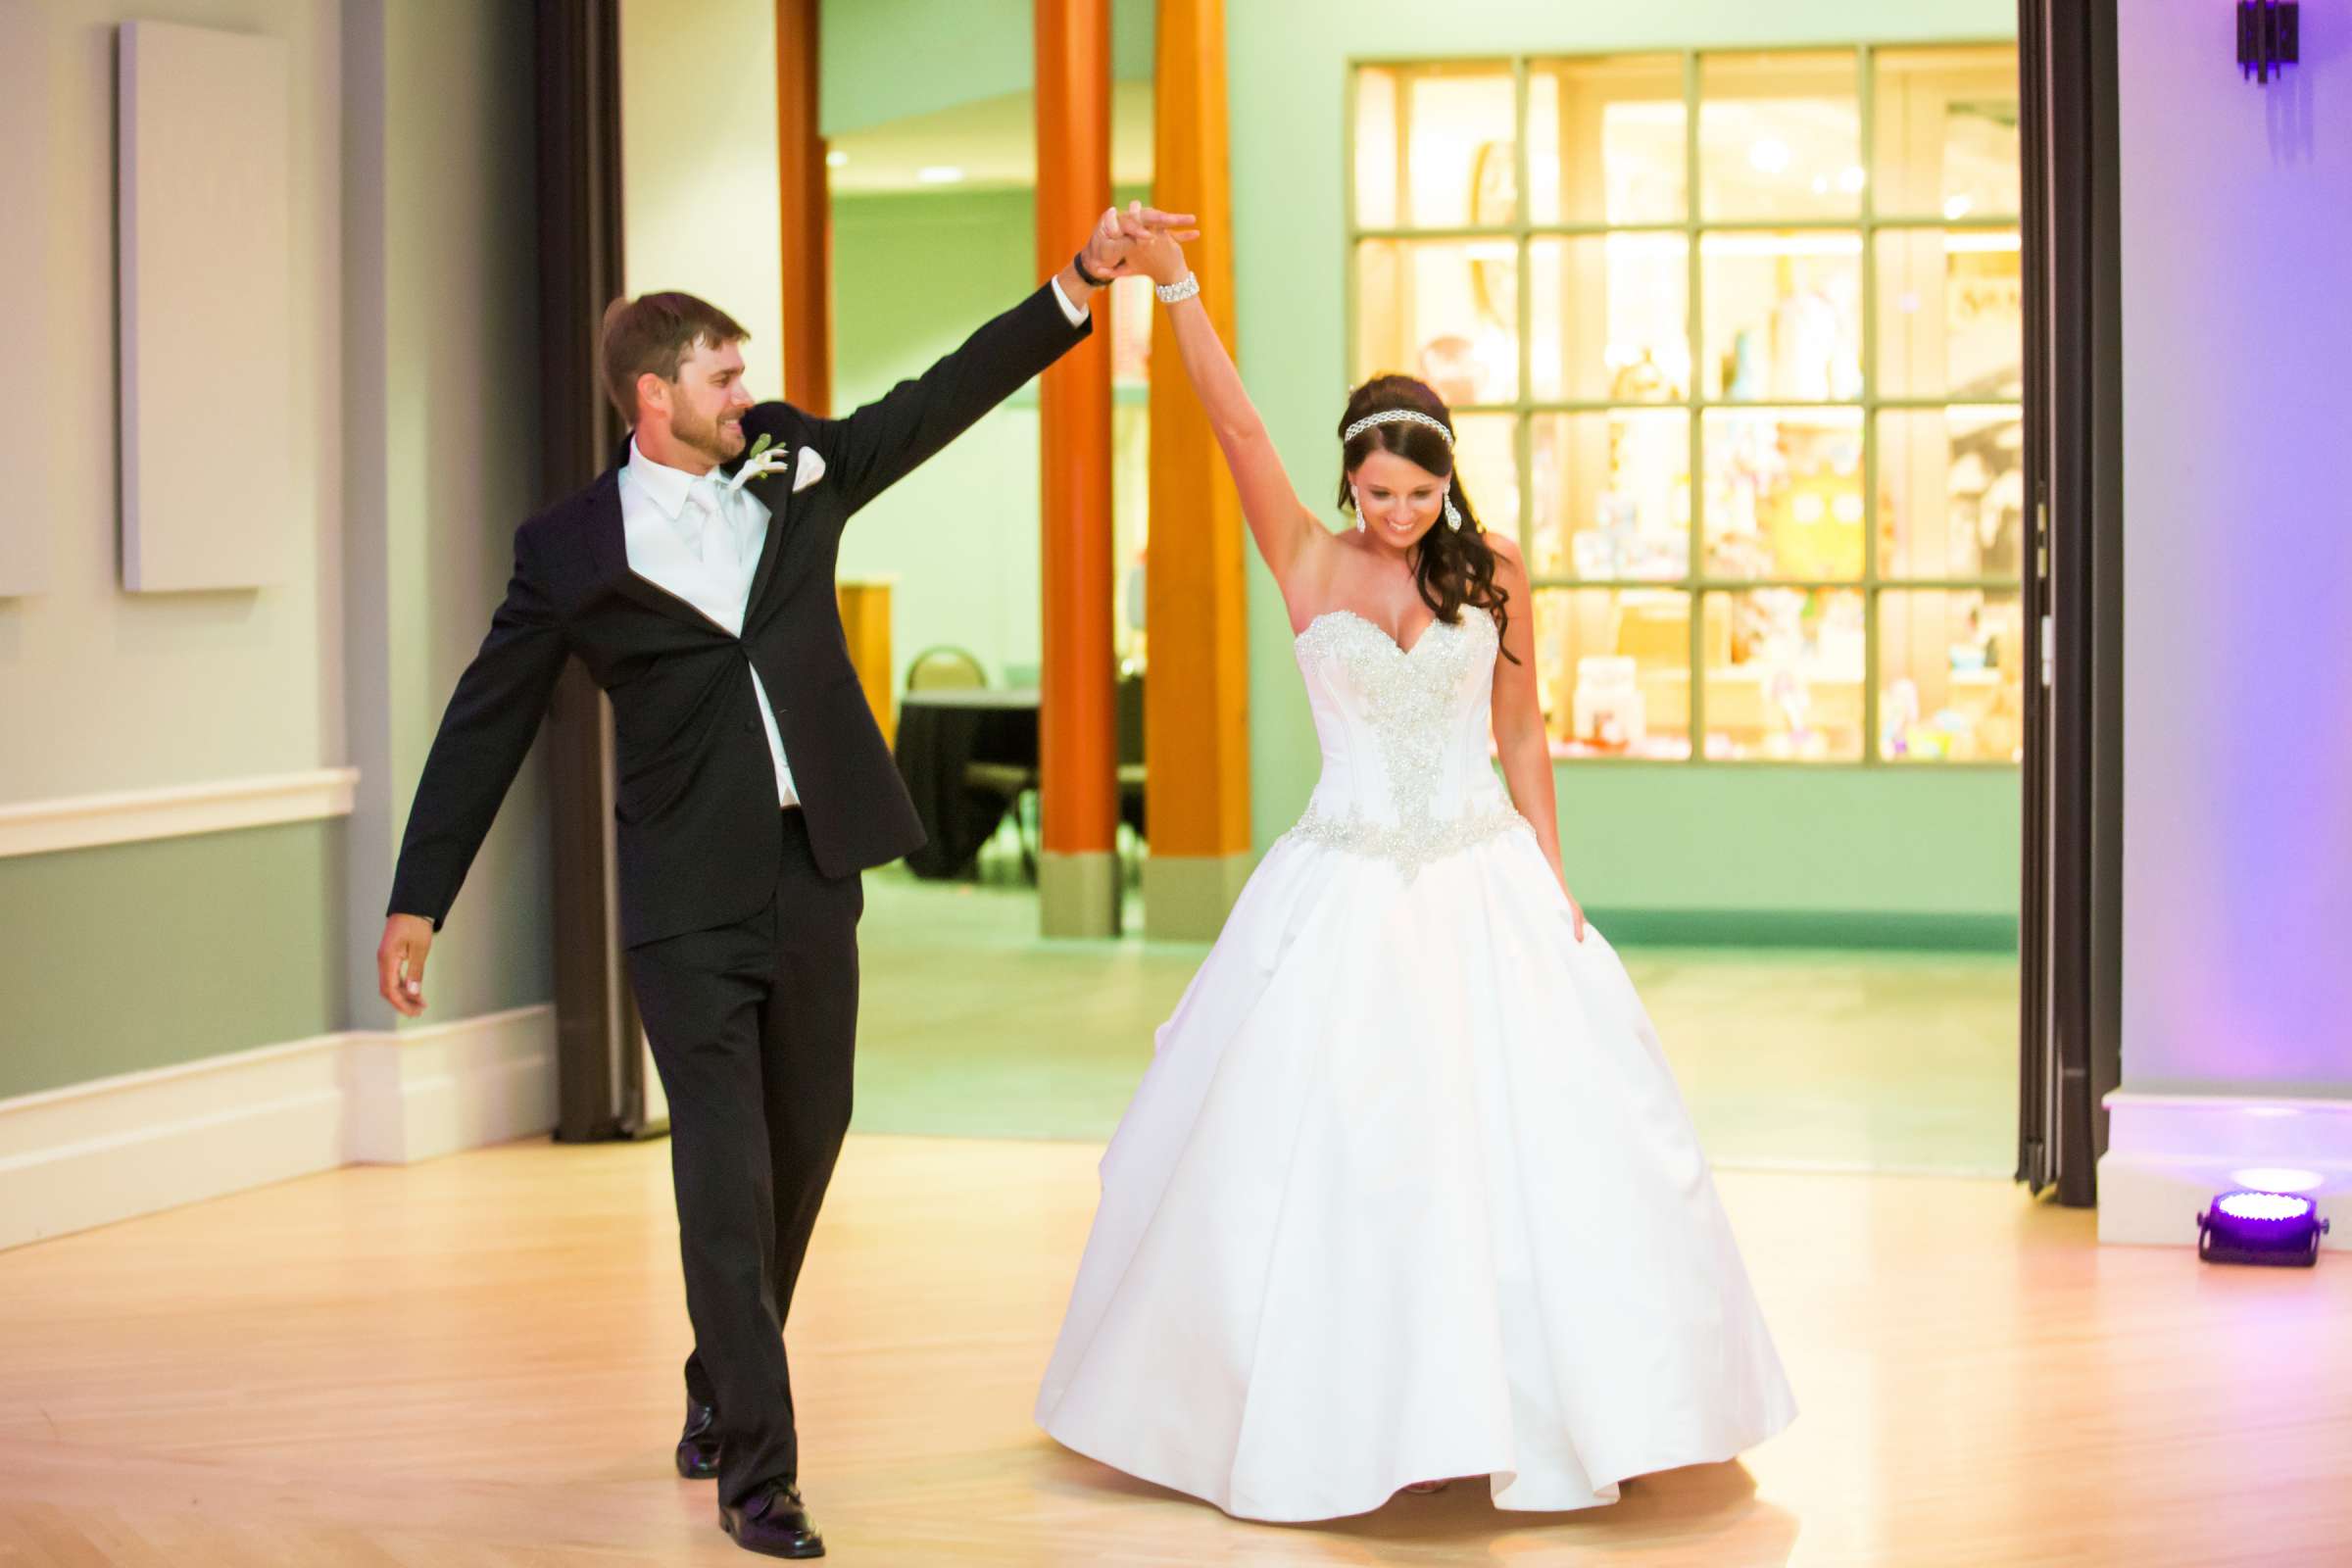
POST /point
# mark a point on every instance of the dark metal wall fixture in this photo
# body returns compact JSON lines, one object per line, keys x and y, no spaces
{"x":2269,"y":37}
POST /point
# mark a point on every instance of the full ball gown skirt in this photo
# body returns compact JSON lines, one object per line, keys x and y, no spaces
{"x":1407,"y":1191}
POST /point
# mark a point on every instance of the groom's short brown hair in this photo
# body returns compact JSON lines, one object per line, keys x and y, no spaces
{"x":653,"y":333}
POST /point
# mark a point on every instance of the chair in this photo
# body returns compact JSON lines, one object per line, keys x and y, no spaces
{"x":1016,"y":786}
{"x":1128,"y":716}
{"x":945,"y":667}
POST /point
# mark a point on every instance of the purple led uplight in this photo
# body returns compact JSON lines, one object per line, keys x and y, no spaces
{"x":2253,"y":1227}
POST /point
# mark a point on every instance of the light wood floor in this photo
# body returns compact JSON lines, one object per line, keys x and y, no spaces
{"x":474,"y":1363}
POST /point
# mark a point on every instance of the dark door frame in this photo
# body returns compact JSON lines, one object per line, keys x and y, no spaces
{"x":600,"y":1088}
{"x":2071,"y":906}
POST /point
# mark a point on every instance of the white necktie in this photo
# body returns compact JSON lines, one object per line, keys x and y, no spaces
{"x":703,"y":497}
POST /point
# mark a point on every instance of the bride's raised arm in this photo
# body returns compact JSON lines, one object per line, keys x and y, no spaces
{"x":1286,"y":533}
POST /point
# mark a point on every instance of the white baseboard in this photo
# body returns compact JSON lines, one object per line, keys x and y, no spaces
{"x":96,"y":1152}
{"x":2168,"y":1154}
{"x":424,"y":1093}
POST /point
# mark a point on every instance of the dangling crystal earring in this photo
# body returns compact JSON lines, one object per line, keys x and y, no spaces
{"x":1454,"y":516}
{"x":1358,"y":503}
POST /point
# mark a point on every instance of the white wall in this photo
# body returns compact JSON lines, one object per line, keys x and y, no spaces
{"x":2237,"y":595}
{"x":441,"y":423}
{"x":101,"y":690}
{"x":699,"y":198}
{"x":155,"y":988}
{"x":2238,"y":579}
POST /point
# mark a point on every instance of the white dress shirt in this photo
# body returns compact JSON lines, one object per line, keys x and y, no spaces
{"x":688,"y":536}
{"x":1076,"y":314}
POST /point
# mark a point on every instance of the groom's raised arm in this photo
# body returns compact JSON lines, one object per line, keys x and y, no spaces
{"x":483,"y":739}
{"x":870,"y":450}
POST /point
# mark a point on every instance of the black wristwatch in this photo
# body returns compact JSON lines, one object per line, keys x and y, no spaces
{"x":1078,"y":262}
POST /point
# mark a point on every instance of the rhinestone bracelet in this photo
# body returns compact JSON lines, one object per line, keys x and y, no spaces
{"x":1170,"y":293}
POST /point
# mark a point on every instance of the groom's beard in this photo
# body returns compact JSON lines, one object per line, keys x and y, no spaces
{"x":718,"y":439}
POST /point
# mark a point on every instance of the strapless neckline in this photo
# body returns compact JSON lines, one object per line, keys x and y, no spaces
{"x":1367,"y":622}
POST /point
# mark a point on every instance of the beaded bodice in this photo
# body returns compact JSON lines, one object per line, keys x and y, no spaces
{"x":1407,"y":769}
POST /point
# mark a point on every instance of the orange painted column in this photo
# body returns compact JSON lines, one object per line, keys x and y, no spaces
{"x":1078,"y":875}
{"x":806,"y":210}
{"x":1196,"y":694}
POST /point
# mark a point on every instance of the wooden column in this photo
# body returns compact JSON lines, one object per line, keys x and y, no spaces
{"x":1078,"y":875}
{"x":805,"y":211}
{"x":1196,"y":697}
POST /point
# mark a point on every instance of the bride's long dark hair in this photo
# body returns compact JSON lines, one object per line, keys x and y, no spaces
{"x":1454,"y":567}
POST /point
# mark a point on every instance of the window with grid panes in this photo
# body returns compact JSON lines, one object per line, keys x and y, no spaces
{"x":1735,"y":346}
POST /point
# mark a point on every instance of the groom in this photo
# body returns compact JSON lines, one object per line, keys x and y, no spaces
{"x":695,"y":581}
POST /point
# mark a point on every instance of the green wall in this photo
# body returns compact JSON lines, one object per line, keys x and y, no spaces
{"x":1704,"y":850}
{"x":1779,"y":853}
{"x":140,"y":956}
{"x":911,"y":277}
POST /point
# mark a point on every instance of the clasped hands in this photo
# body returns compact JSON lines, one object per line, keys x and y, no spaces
{"x":1125,"y":244}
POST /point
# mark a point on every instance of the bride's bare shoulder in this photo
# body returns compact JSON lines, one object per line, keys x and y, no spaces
{"x":1309,"y":587}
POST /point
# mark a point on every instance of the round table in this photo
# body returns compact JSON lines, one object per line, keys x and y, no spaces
{"x":942,"y":733}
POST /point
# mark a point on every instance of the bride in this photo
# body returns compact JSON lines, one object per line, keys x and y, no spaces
{"x":1407,"y":1191}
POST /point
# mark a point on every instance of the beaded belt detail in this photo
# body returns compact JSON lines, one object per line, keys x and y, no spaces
{"x":1409,"y":847}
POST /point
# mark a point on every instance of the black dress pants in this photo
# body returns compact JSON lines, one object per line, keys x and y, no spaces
{"x":754,"y":1028}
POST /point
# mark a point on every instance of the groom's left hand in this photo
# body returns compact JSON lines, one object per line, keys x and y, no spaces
{"x":1111,"y":250}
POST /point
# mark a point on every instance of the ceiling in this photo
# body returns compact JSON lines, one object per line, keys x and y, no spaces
{"x":992,"y":142}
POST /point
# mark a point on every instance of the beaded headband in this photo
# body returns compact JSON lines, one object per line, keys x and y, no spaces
{"x":1392,"y":416}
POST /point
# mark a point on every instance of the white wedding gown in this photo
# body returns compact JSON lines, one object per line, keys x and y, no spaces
{"x":1407,"y":1191}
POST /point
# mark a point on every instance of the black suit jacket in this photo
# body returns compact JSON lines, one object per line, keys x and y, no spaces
{"x":697,"y":803}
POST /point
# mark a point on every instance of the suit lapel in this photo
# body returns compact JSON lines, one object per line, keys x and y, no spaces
{"x":775,"y":493}
{"x":609,"y":545}
{"x":608,"y":539}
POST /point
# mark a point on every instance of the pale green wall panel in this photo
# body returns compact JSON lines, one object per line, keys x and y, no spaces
{"x":911,"y":277}
{"x":1789,"y":838}
{"x":141,"y":955}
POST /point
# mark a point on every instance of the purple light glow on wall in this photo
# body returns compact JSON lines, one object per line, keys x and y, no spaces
{"x":2277,"y":1179}
{"x":2238,"y":747}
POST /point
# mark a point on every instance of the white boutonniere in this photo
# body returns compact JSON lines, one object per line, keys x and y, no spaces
{"x":765,"y":458}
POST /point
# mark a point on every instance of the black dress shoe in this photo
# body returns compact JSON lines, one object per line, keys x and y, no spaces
{"x":698,"y":1444}
{"x":775,"y":1523}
